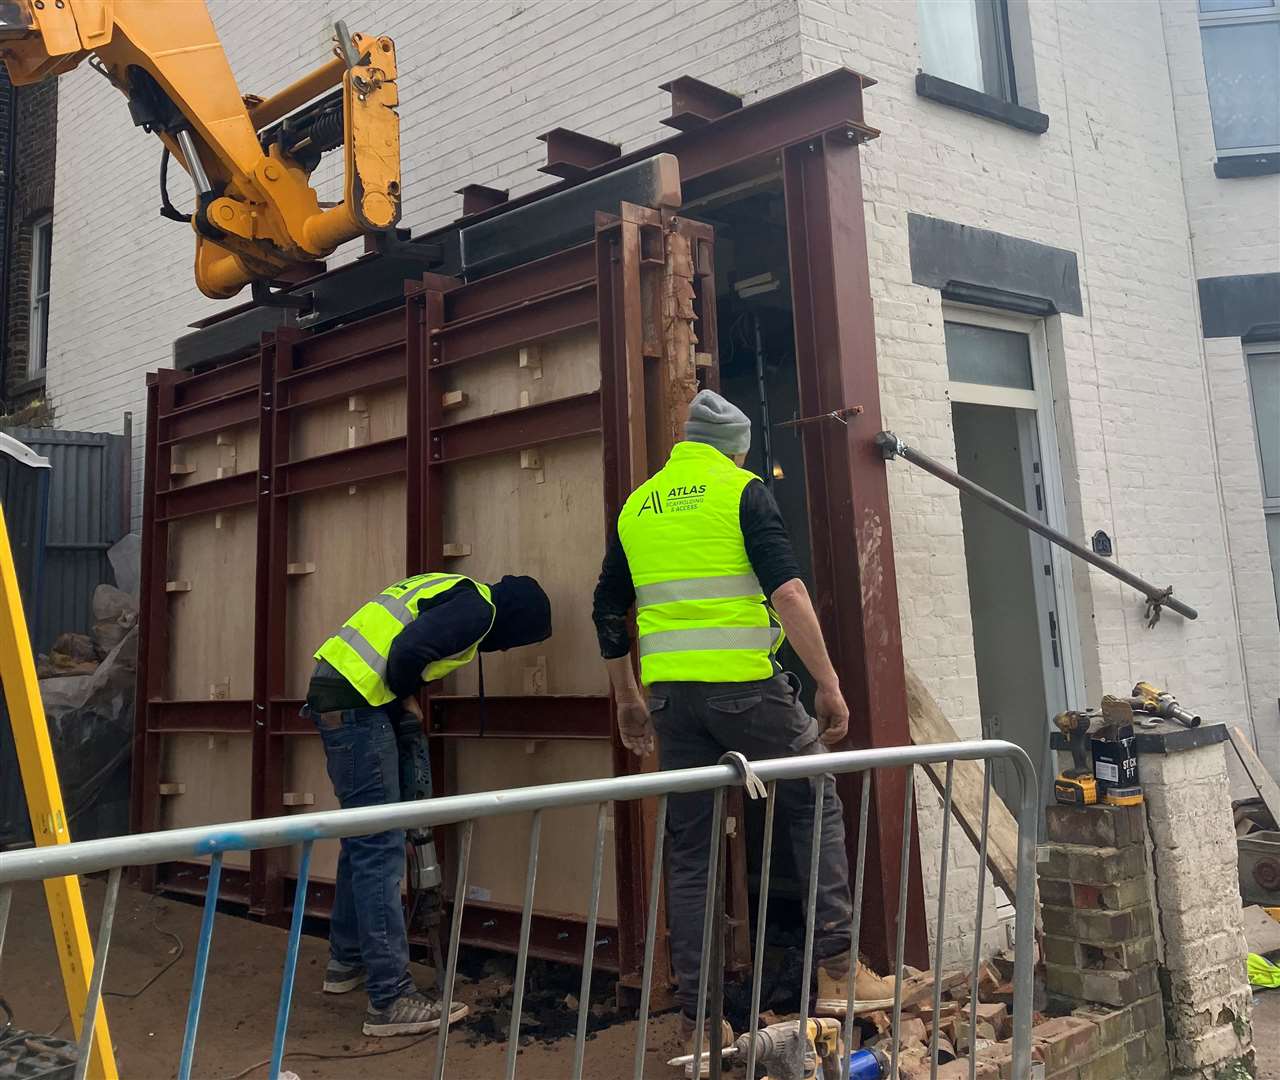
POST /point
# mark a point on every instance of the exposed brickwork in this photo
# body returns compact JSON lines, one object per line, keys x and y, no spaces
{"x":1100,"y":954}
{"x":35,"y":119}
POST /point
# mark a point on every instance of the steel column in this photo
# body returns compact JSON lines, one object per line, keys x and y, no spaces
{"x":853,"y":566}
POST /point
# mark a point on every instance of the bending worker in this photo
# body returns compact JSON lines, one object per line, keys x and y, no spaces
{"x":362,"y":699}
{"x":698,"y":548}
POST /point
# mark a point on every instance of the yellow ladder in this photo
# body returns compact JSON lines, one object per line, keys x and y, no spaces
{"x":44,"y":801}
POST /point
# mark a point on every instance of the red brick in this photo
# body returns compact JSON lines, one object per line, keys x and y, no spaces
{"x":1065,"y":1040}
{"x":1096,"y":826}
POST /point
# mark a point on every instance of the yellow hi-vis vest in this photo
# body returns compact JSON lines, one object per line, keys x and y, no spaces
{"x":359,"y":651}
{"x":699,"y":608}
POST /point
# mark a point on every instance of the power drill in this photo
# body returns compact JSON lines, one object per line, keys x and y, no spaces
{"x":1077,"y":786}
{"x":779,"y":1055}
{"x":1149,"y":699}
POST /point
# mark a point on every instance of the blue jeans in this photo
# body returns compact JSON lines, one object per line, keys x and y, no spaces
{"x":367,"y":922}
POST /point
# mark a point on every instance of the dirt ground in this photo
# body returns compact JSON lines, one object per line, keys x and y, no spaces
{"x":1266,"y":1033}
{"x":243,"y":986}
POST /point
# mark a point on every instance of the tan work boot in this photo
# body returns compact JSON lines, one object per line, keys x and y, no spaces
{"x":686,"y":1031}
{"x":871,"y":992}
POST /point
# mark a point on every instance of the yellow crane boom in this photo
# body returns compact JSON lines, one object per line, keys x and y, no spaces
{"x":256,"y":216}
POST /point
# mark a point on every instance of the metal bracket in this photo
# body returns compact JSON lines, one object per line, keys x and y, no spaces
{"x":890,"y":445}
{"x":263,"y":296}
{"x":750,"y":781}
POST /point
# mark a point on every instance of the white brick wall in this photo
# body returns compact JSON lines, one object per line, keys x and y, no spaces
{"x":1235,"y":229}
{"x":1111,"y":180}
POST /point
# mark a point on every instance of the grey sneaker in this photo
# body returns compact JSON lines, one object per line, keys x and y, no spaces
{"x":411,"y":1014}
{"x":340,"y":978}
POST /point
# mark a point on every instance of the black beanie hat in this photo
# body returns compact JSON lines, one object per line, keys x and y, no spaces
{"x":523,"y":616}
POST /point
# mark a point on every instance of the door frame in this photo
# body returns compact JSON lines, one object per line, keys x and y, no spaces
{"x":1040,"y":402}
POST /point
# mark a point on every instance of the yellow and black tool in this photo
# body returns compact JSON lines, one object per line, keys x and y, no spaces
{"x":1156,"y":702}
{"x":778,"y":1055}
{"x":1077,"y":785}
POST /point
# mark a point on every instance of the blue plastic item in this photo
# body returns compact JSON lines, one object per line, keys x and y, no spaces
{"x":868,"y":1065}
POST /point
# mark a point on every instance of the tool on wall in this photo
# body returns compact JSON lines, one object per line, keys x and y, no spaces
{"x":1104,"y":764}
{"x":1156,"y":702}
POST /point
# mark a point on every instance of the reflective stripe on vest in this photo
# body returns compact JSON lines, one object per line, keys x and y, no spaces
{"x":359,"y":651}
{"x":699,"y":607}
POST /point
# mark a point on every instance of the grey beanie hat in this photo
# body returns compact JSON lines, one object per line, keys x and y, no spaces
{"x":718,"y":422}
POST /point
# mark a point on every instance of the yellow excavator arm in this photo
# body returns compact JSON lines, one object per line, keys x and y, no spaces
{"x":250,"y":160}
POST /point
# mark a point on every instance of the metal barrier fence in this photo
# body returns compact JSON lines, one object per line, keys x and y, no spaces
{"x":113,"y":853}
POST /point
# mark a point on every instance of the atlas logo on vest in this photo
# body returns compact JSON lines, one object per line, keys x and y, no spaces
{"x":682,"y":497}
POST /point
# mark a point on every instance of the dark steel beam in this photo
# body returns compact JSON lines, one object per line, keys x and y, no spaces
{"x":565,"y":269}
{"x":559,"y":716}
{"x":338,"y":378}
{"x":355,"y":465}
{"x":168,"y":717}
{"x":381,"y":331}
{"x":695,"y":103}
{"x":518,"y":429}
{"x":238,"y":407}
{"x":240,"y":489}
{"x":219,"y":382}
{"x":477,"y":197}
{"x":572,"y":154}
{"x":539,"y":317}
{"x":551,"y":937}
{"x":856,"y":591}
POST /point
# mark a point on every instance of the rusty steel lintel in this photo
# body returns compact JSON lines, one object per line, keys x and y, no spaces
{"x":564,"y":716}
{"x":217,"y":382}
{"x":510,"y":288}
{"x":695,"y":103}
{"x":192,"y":879}
{"x":354,"y":465}
{"x":829,"y":102}
{"x":551,"y":937}
{"x":478,"y":197}
{"x":381,"y":331}
{"x":536,"y":317}
{"x":517,"y":429}
{"x":236,"y":407}
{"x":855,"y":583}
{"x":337,"y":379}
{"x":224,"y":715}
{"x":571,"y":154}
{"x":239,"y":489}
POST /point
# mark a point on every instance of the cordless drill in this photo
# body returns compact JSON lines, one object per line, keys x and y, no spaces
{"x":1077,"y":785}
{"x":1150,"y":699}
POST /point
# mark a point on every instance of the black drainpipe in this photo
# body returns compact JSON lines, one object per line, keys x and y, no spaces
{"x":9,"y":165}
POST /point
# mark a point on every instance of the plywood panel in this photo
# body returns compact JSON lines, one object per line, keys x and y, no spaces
{"x":304,"y":771}
{"x":214,"y":771}
{"x":500,"y":846}
{"x":370,"y":416}
{"x":558,"y":367}
{"x":355,"y":538}
{"x":545,"y":522}
{"x":211,"y":623}
{"x":210,"y":457}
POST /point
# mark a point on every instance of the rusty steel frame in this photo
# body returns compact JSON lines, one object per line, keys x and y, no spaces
{"x":816,"y":127}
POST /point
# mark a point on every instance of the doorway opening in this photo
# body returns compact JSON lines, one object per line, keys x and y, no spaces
{"x":1025,"y":649}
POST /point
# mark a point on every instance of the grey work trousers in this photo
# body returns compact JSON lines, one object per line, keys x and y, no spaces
{"x":698,"y":722}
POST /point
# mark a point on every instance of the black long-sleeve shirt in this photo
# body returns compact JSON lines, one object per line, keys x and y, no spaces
{"x":446,"y":624}
{"x":768,"y":548}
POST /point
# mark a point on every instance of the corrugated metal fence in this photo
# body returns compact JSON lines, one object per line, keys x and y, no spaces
{"x":88,"y":512}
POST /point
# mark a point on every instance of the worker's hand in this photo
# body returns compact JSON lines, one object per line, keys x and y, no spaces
{"x":635,"y":726}
{"x":411,"y":705}
{"x":833,"y":714}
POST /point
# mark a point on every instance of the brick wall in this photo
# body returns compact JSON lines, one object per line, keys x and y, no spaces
{"x":35,"y":116}
{"x":1235,"y":229}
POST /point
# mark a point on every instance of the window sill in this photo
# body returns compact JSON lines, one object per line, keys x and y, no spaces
{"x":28,"y":386}
{"x":1240,"y":165}
{"x":980,"y":104}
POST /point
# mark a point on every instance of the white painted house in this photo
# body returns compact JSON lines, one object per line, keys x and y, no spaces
{"x":1132,"y":149}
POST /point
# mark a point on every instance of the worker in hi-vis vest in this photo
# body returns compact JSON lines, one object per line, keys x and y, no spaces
{"x":362,"y":699}
{"x":699,"y":548}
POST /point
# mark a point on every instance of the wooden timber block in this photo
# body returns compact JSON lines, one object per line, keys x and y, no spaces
{"x":535,"y":677}
{"x":532,"y":461}
{"x":531,"y":360}
{"x":165,"y":788}
{"x":178,"y":468}
{"x":299,"y":798}
{"x":453,"y":399}
{"x":220,"y":691}
{"x":455,"y":551}
{"x":297,"y":569}
{"x":177,"y":586}
{"x":525,"y":400}
{"x":704,"y":360}
{"x":218,"y":520}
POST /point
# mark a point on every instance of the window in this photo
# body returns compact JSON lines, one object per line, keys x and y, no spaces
{"x":1241,"y":42}
{"x":1264,"y":387}
{"x":41,"y":257}
{"x":967,"y":42}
